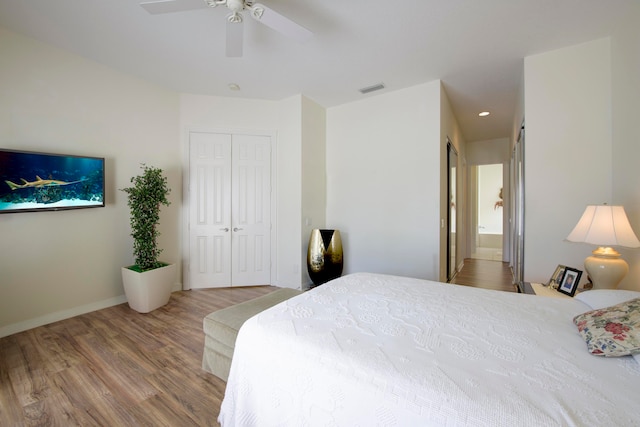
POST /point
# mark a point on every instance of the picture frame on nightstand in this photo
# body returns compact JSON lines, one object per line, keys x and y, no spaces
{"x":569,"y":282}
{"x":556,"y":277}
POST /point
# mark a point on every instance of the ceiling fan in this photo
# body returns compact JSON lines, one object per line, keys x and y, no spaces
{"x":258,"y":11}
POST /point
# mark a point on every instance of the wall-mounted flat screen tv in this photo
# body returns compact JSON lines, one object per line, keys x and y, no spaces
{"x":32,"y":181}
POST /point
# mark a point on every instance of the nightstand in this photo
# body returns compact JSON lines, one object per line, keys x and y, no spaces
{"x":541,"y":290}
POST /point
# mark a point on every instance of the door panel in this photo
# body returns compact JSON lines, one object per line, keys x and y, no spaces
{"x":210,"y":210}
{"x":251,"y":183}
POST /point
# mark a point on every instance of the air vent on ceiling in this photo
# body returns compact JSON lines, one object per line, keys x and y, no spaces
{"x":372,"y":88}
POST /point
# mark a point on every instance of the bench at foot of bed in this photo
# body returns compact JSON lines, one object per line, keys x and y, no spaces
{"x":221,"y":329}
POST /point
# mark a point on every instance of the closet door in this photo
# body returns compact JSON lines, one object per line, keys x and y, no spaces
{"x":251,"y":210}
{"x":230,"y":210}
{"x":209,"y":210}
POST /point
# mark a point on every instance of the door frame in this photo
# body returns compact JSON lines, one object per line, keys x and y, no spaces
{"x":517,"y":192}
{"x":473,"y":239}
{"x":185,"y":207}
{"x":452,"y":204}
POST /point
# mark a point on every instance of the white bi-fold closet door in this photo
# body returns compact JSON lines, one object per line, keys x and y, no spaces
{"x":229,"y":209}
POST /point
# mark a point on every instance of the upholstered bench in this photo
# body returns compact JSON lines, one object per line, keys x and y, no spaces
{"x":221,"y":329}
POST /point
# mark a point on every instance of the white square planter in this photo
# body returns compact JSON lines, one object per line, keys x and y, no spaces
{"x":148,"y":290}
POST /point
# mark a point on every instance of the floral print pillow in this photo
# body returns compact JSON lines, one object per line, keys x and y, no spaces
{"x":612,"y":331}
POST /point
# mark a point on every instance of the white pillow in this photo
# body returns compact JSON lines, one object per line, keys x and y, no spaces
{"x":637,"y":357}
{"x":601,"y":298}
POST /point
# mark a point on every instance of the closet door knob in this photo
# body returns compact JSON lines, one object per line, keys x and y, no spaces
{"x":225,"y":229}
{"x":236,"y":229}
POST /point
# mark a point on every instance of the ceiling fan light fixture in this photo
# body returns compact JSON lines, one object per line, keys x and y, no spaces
{"x":256,"y":11}
{"x":234,"y":18}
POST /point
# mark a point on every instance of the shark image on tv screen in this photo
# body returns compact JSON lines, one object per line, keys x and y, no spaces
{"x":32,"y":181}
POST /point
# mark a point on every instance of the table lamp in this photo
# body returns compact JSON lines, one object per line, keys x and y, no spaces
{"x":605,"y":226}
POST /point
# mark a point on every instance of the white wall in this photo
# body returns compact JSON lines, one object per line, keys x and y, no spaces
{"x":568,"y":150}
{"x":289,"y":170}
{"x":58,"y":264}
{"x":489,"y":152}
{"x":383,"y":180}
{"x":626,"y":132}
{"x":314,"y":180}
{"x":301,"y":185}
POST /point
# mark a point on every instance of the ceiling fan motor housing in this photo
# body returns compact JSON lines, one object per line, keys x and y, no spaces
{"x":236,"y":6}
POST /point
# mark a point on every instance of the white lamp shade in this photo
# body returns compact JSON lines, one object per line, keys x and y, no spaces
{"x":604,"y":225}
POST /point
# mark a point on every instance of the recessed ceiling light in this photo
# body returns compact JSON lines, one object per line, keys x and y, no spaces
{"x":484,"y":114}
{"x":233,"y":86}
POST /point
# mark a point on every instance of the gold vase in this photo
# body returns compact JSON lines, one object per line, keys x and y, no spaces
{"x":324,"y":256}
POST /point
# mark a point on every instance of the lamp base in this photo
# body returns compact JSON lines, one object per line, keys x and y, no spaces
{"x":605,"y":268}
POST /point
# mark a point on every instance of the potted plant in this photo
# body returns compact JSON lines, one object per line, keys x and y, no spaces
{"x":147,"y":283}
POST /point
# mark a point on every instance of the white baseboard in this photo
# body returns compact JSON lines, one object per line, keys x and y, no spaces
{"x":59,"y":315}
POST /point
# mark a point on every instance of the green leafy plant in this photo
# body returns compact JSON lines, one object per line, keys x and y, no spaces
{"x":149,"y":191}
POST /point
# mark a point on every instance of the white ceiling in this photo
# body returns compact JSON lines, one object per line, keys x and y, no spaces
{"x":476,"y":47}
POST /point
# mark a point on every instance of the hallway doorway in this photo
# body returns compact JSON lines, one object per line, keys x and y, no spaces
{"x":487,"y":240}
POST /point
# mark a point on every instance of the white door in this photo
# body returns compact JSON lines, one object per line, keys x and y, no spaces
{"x":229,"y":210}
{"x":251,"y":210}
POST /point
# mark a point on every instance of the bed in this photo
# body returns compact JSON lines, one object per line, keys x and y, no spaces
{"x":377,"y":350}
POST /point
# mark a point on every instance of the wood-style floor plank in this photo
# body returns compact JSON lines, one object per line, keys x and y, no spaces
{"x":486,"y":274}
{"x":116,"y":367}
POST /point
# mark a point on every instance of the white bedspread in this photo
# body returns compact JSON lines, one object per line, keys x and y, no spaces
{"x":374,"y":350}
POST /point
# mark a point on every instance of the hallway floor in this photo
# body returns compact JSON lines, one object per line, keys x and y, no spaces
{"x":486,"y":274}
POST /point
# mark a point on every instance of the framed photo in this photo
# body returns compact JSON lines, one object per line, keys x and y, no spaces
{"x":556,"y":277}
{"x":570,"y":280}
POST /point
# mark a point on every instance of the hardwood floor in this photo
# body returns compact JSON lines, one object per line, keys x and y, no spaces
{"x":485,"y":274}
{"x":116,"y":367}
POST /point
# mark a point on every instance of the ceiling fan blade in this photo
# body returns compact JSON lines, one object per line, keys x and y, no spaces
{"x":235,"y":33}
{"x":280,"y":23}
{"x":169,"y":6}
